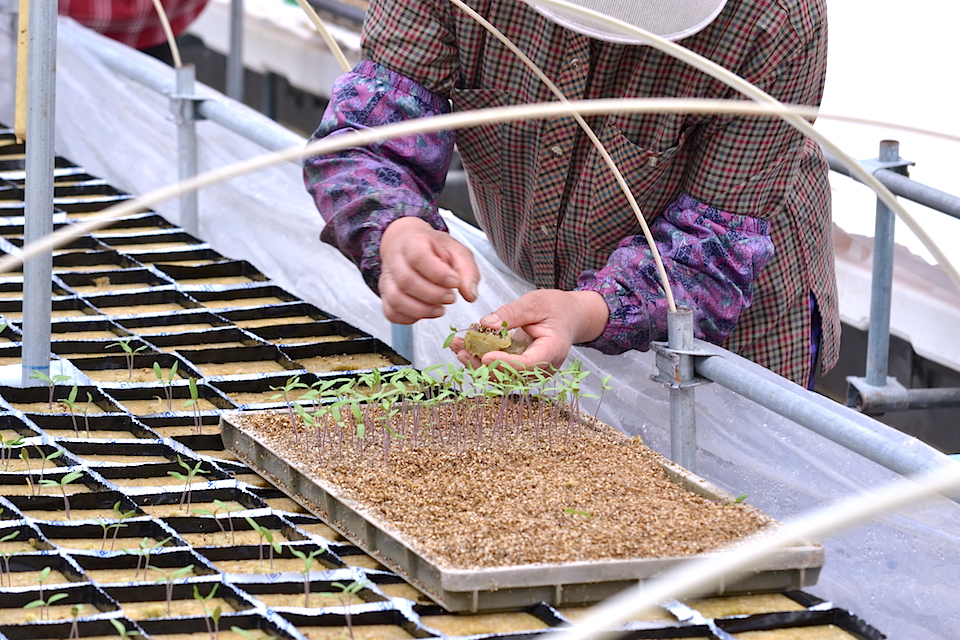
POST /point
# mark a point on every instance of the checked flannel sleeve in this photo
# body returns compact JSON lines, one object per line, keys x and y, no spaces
{"x":359,"y":191}
{"x":712,"y":259}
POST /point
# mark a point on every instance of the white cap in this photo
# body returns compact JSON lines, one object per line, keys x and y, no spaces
{"x":669,"y":19}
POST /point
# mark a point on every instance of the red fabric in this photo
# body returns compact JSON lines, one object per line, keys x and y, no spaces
{"x":133,"y":22}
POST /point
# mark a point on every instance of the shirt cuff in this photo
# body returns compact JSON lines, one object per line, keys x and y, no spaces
{"x":712,"y":258}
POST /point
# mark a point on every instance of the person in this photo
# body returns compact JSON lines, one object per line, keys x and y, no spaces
{"x":739,"y":206}
{"x":134,"y":22}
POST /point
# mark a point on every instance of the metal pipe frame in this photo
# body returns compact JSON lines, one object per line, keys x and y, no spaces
{"x":233,"y":116}
{"x":235,"y":68}
{"x":683,"y":409}
{"x":829,"y":424}
{"x":38,"y":189}
{"x":186,"y":117}
{"x":881,"y":283}
{"x":903,"y":186}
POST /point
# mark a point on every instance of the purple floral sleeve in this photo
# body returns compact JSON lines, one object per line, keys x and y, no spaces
{"x":362,"y":190}
{"x":712,"y":259}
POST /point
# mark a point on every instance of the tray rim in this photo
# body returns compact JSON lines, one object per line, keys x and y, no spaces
{"x":445,"y":584}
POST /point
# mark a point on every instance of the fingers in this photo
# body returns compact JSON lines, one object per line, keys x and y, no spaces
{"x":422,"y":269}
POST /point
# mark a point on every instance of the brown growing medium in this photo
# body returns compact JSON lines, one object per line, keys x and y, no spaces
{"x":523,"y":495}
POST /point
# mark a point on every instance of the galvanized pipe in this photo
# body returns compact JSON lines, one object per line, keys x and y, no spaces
{"x":38,"y":188}
{"x":881,"y":284}
{"x":877,"y":404}
{"x":401,"y":339}
{"x":829,"y":424}
{"x":251,"y":125}
{"x":683,"y":410}
{"x":185,"y":113}
{"x":234,"y":116}
{"x":903,"y":186}
{"x":235,"y":57}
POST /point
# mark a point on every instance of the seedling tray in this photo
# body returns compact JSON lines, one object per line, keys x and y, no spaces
{"x":114,"y":370}
{"x":328,"y":358}
{"x":501,"y":588}
{"x":106,"y":427}
{"x":198,"y":319}
{"x":287,"y":313}
{"x":68,"y":307}
{"x":231,"y":274}
{"x":113,"y":281}
{"x":160,"y":300}
{"x":254,"y":294}
{"x":309,"y":333}
{"x":92,"y":261}
{"x":93,"y":329}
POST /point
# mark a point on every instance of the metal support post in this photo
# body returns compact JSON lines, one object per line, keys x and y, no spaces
{"x":675,"y":366}
{"x":881,"y":284}
{"x":185,"y":112}
{"x":38,"y":191}
{"x":876,"y":388}
{"x":401,"y":337}
{"x":235,"y":57}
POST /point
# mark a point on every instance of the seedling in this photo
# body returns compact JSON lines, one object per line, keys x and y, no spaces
{"x":246,"y":633}
{"x":187,"y":479}
{"x":62,"y":484}
{"x":266,"y":536}
{"x":144,"y":549}
{"x":40,"y":602}
{"x":53,"y":455}
{"x":284,"y":392}
{"x":212,"y":619}
{"x":345,"y":596}
{"x":129,"y":352}
{"x":194,"y":402}
{"x":51,"y":380}
{"x":25,"y":456}
{"x":168,"y":577}
{"x":6,"y":557}
{"x":75,"y":612}
{"x":7,"y":450}
{"x":122,"y":629}
{"x":577,"y":512}
{"x":220,"y":506}
{"x":121,"y":516}
{"x":308,"y":560}
{"x":604,"y":387}
{"x":166,"y":382}
{"x":107,"y":526}
{"x":70,"y":401}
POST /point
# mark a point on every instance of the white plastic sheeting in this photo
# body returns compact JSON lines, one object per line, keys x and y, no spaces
{"x":901,"y":574}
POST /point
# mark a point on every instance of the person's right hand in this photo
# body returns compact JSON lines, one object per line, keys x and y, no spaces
{"x":420,"y":270}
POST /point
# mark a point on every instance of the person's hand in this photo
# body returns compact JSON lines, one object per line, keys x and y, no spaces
{"x":554,"y":320}
{"x":421,"y":270}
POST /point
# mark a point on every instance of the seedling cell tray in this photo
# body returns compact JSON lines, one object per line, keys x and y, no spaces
{"x":254,"y":295}
{"x":309,"y":333}
{"x":502,"y":588}
{"x":216,"y":276}
{"x":112,"y":281}
{"x":159,"y":300}
{"x":92,"y":261}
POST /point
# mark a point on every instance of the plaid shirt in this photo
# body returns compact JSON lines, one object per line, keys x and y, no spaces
{"x":132,"y":22}
{"x":725,"y":195}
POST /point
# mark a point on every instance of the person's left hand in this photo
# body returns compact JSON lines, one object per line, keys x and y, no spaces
{"x":554,"y":319}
